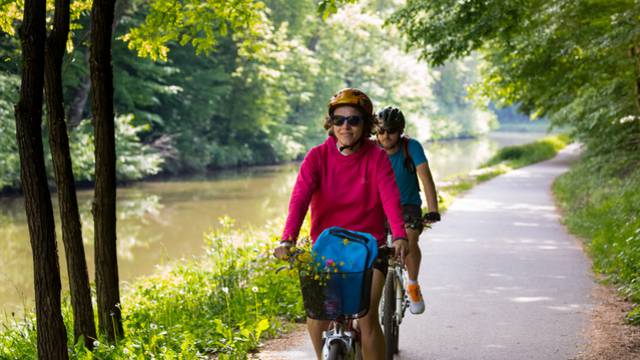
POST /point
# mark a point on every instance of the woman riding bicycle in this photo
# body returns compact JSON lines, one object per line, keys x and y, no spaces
{"x":348,"y":182}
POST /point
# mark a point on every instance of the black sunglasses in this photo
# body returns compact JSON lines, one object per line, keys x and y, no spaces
{"x":382,"y":131}
{"x":354,"y":120}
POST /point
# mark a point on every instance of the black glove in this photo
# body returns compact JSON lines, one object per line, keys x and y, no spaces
{"x":432,"y":216}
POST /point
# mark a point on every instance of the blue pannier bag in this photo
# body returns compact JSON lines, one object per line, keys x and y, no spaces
{"x":352,"y":253}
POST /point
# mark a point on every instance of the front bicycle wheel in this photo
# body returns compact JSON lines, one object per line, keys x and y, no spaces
{"x":389,"y":316}
{"x":399,"y":314}
{"x":336,"y":351}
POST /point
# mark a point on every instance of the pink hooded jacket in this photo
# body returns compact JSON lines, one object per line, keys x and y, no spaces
{"x":354,"y":192}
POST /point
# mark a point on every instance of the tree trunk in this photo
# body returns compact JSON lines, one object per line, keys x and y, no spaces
{"x":104,"y":205}
{"x":51,"y":333}
{"x":59,"y":142}
{"x":76,"y":109}
{"x":635,"y":53}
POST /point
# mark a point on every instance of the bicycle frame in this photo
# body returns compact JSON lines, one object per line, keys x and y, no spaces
{"x":397,"y":270}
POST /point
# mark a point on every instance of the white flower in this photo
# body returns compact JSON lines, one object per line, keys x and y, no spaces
{"x":125,"y":351}
{"x":628,"y":119}
{"x":254,"y":289}
{"x":96,"y":343}
{"x":225,"y":290}
{"x":153,"y":326}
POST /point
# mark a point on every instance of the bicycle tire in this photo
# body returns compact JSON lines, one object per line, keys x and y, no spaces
{"x":336,"y":351}
{"x":396,"y":325}
{"x":388,"y":315}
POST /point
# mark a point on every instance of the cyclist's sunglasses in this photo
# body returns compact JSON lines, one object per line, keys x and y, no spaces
{"x":382,"y":131}
{"x":354,"y":120}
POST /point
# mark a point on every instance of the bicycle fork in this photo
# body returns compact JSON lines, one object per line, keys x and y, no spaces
{"x":401,"y":297}
{"x":346,"y":338}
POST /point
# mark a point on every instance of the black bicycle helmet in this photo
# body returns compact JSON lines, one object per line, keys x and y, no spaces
{"x":391,"y":118}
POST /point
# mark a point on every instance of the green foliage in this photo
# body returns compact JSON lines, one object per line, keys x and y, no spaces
{"x":329,"y":7}
{"x":575,"y":62}
{"x":10,"y":13}
{"x":196,"y":23}
{"x":134,"y":159}
{"x":601,"y":200}
{"x":222,"y":303}
{"x":9,"y":158}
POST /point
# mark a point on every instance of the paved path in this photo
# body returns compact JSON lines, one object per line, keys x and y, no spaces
{"x":502,"y":277}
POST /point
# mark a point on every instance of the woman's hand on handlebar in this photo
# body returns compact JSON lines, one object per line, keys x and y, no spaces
{"x":401,"y":247}
{"x":283,"y":251}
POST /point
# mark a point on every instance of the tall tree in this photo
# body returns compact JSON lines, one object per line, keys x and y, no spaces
{"x":68,"y":203}
{"x":104,"y":205}
{"x":52,"y":337}
{"x":570,"y":60}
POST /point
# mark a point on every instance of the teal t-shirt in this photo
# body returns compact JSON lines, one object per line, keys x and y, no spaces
{"x":408,"y":181}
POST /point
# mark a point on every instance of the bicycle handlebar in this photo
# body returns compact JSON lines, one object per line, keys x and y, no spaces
{"x":291,"y":258}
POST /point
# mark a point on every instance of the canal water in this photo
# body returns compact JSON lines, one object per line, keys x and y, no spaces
{"x":159,"y":221}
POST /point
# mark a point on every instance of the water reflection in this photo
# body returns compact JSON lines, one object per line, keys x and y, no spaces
{"x":456,"y":157}
{"x":163,"y":220}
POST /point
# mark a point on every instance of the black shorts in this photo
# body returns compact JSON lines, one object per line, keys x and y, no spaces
{"x":412,"y":215}
{"x":381,"y":263}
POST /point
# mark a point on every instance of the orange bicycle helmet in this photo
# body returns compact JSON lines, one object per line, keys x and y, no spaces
{"x":352,"y":97}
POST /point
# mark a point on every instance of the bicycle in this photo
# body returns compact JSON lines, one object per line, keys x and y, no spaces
{"x":394,"y":302}
{"x":324,"y":300}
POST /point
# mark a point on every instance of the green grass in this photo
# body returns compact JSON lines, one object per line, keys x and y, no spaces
{"x":522,"y":155}
{"x":225,"y":302}
{"x":601,"y":203}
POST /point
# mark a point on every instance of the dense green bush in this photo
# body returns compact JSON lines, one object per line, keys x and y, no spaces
{"x":601,"y":199}
{"x":9,"y":158}
{"x":134,"y":160}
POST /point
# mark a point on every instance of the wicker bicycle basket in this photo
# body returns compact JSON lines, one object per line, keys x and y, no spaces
{"x":336,"y":295}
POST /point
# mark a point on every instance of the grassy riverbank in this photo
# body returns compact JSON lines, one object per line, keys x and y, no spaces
{"x":223,"y":302}
{"x":229,"y":299}
{"x":601,"y":203}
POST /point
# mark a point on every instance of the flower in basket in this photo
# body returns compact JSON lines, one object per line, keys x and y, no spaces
{"x":331,"y":266}
{"x":329,"y":263}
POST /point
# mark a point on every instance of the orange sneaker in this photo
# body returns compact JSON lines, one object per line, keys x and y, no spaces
{"x":416,"y":302}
